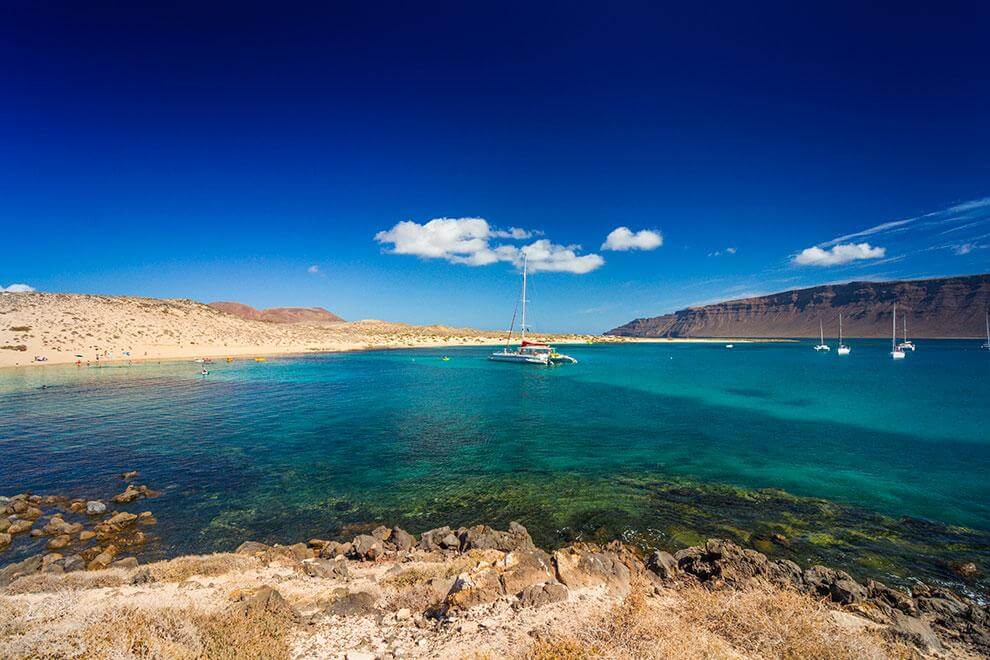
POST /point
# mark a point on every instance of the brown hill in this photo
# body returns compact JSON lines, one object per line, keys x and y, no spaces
{"x":278,"y":314}
{"x":945,"y":307}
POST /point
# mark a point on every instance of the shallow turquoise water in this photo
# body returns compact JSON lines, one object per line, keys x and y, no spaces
{"x":636,"y":439}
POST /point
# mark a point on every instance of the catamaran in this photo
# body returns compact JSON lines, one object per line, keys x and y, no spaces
{"x":895,"y":351}
{"x":528,"y":352}
{"x":843,"y":349}
{"x":822,"y":346}
{"x":905,"y":345}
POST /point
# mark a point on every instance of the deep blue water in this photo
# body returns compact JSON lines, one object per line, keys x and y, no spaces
{"x":883,"y":466}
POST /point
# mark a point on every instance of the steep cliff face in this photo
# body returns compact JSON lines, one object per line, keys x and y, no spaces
{"x":946,"y":307}
{"x":278,"y":314}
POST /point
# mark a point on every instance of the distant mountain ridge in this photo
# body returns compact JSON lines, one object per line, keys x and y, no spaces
{"x":278,"y":314}
{"x":943,"y":307}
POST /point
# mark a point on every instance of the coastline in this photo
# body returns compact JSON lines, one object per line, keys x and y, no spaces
{"x":381,"y":592}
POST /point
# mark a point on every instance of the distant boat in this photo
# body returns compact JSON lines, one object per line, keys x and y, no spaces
{"x":843,"y":349}
{"x":905,"y":345}
{"x":895,"y":352}
{"x":728,"y":345}
{"x":822,"y":346}
{"x":987,"y":345}
{"x":529,"y":352}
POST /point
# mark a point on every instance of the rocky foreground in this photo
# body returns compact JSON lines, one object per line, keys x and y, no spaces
{"x":469,"y":592}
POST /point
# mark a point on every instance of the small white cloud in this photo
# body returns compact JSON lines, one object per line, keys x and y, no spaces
{"x":730,"y":250}
{"x":17,"y":288}
{"x":964,"y":248}
{"x":468,"y":241}
{"x":314,"y":269}
{"x":622,"y":238}
{"x":514,"y":233}
{"x":838,"y":255}
{"x":719,"y":253}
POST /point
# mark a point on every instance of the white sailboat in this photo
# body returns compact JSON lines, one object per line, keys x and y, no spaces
{"x":895,"y":352}
{"x":987,"y":345}
{"x":843,"y":349}
{"x":528,"y":352}
{"x":905,"y":345}
{"x":822,"y":346}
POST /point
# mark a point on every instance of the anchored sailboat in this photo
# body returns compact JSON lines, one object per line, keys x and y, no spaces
{"x":843,"y":349}
{"x":895,"y":352}
{"x":528,"y":352}
{"x":822,"y":346}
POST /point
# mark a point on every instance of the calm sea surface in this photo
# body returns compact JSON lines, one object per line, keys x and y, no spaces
{"x":857,"y":461}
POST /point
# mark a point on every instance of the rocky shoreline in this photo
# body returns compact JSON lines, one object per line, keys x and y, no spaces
{"x":450,"y":587}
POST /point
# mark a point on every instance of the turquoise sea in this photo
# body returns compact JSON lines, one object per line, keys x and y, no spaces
{"x":879,"y":467}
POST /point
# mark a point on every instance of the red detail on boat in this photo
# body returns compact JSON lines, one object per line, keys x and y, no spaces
{"x":533,"y":343}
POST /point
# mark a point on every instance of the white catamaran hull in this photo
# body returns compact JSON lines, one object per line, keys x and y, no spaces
{"x":518,"y":357}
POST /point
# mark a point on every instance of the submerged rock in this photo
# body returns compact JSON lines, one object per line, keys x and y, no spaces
{"x":95,"y":508}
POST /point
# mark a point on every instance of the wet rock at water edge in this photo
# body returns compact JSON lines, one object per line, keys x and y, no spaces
{"x":663,"y":564}
{"x":251,"y":548}
{"x":95,"y":508}
{"x":365,"y":546}
{"x":13,"y":571}
{"x":132,"y":493}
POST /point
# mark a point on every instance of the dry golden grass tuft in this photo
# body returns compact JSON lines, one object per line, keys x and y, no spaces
{"x":183,"y":568}
{"x":130,"y":632}
{"x":696,"y":623}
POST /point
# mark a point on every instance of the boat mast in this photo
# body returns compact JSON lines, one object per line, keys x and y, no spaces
{"x":821,"y":331}
{"x":893,"y":330}
{"x":525,"y":263}
{"x":840,"y":328}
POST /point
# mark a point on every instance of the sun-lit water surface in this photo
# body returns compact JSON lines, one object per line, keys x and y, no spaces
{"x":884,"y":465}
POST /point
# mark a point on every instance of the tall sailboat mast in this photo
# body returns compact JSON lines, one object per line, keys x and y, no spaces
{"x":840,"y":328}
{"x":821,"y":331}
{"x":525,"y":264}
{"x":893,"y":331}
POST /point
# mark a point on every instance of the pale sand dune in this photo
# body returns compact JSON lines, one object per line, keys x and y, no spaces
{"x":61,"y":326}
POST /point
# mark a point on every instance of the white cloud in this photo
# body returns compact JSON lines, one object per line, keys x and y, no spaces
{"x":838,"y":255}
{"x":514,"y":233}
{"x":965,"y":248}
{"x":543,"y":255}
{"x":719,"y":253}
{"x":17,"y":288}
{"x":314,"y":269}
{"x":622,"y":238}
{"x":468,"y":241}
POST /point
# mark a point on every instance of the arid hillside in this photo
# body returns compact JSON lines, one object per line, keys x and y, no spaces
{"x":314,"y":315}
{"x":947,"y":307}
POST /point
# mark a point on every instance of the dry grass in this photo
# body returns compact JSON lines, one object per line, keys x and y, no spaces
{"x":129,"y":632}
{"x":183,"y":568}
{"x":695,"y":623}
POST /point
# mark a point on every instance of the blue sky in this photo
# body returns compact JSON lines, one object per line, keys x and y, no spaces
{"x":222,"y":153}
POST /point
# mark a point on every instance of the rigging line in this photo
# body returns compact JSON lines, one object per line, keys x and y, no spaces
{"x":508,"y":339}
